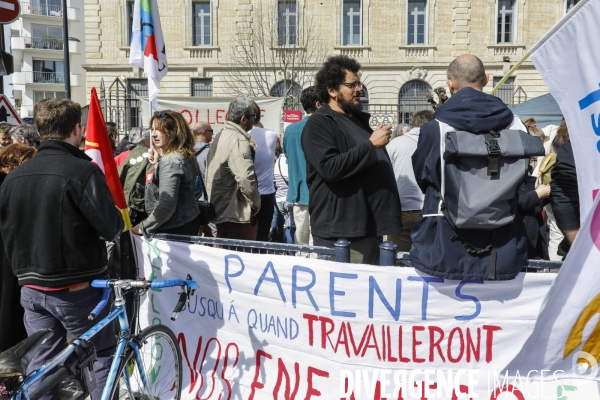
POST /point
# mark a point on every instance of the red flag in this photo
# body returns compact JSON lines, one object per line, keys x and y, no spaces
{"x":98,"y":147}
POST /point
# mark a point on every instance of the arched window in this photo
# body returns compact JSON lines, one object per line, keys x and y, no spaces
{"x":290,"y":91}
{"x":412,"y":98}
{"x":364,"y":99}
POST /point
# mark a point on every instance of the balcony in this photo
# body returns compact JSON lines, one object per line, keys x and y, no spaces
{"x":499,"y":51}
{"x":25,"y":111}
{"x":199,"y":51}
{"x":43,"y":78}
{"x":417,"y":51}
{"x":43,"y":9}
{"x":43,"y":43}
{"x":353,"y":51}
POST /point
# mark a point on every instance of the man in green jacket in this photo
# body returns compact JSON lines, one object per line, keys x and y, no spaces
{"x":133,"y":174}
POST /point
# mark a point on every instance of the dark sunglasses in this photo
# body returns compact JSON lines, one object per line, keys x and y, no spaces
{"x":162,"y":114}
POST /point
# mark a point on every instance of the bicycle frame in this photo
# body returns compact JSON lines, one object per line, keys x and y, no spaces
{"x":124,"y":340}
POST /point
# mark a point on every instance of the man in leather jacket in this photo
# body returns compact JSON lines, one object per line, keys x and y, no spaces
{"x":56,"y":212}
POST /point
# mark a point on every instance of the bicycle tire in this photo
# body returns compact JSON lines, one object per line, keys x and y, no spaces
{"x":165,"y":386}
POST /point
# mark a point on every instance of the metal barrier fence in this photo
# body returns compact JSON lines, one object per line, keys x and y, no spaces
{"x":341,"y":251}
{"x":387,"y":250}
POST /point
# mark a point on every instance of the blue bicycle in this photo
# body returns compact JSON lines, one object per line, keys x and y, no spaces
{"x":146,"y":365}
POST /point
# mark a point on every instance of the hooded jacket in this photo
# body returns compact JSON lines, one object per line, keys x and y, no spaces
{"x":433,"y":251}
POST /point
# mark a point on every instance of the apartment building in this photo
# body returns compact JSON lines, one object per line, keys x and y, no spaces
{"x":37,"y":45}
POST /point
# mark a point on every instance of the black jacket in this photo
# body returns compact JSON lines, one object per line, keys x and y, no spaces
{"x":434,"y":251}
{"x":352,"y":189}
{"x":530,"y":207}
{"x":54,"y":210}
{"x":564,"y":196}
{"x":11,"y":312}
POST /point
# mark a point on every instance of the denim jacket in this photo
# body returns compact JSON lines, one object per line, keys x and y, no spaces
{"x":169,"y":195}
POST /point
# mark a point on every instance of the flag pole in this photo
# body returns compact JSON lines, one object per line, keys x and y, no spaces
{"x":136,"y":299}
{"x":512,"y":70}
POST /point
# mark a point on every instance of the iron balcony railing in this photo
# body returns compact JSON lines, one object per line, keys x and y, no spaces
{"x":49,"y":43}
{"x":44,"y":77}
{"x":42,"y":8}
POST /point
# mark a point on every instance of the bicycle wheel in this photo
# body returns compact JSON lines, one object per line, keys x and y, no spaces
{"x":161,"y":362}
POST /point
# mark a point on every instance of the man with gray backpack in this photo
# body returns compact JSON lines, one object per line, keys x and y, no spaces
{"x":470,"y":162}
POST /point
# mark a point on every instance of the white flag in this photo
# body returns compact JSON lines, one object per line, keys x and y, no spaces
{"x":569,"y":62}
{"x":566,"y":336}
{"x":148,"y":46}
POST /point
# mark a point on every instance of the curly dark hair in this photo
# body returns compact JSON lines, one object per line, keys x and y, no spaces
{"x":309,"y":100}
{"x":332,"y":74}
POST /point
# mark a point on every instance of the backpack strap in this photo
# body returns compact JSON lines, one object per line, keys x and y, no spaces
{"x":206,"y":146}
{"x":444,"y":128}
{"x":280,"y":174}
{"x":200,"y":177}
{"x":493,"y":149}
{"x":472,"y":250}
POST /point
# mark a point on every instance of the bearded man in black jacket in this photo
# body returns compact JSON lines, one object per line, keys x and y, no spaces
{"x":352,"y":188}
{"x":55,"y":213}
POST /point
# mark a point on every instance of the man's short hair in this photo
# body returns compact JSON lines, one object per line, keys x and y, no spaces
{"x":200,"y":127}
{"x":5,"y":127}
{"x":137,"y":134}
{"x":28,"y":132}
{"x":422,"y":117}
{"x":309,"y":100}
{"x":39,"y":106}
{"x":241,"y":106}
{"x":57,"y":119}
{"x":399,"y":130}
{"x":466,"y":69}
{"x":332,"y":74}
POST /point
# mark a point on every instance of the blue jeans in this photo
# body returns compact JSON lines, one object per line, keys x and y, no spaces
{"x":285,"y":210}
{"x":64,"y":311}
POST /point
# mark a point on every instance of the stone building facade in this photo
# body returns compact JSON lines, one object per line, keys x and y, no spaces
{"x":404,"y":46}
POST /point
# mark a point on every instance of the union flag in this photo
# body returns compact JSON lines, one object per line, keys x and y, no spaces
{"x":98,"y":147}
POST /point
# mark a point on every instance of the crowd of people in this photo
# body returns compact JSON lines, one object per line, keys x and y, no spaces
{"x":332,"y":176}
{"x":329,"y":176}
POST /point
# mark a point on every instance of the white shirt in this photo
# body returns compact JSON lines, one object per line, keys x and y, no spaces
{"x":401,"y":150}
{"x":266,"y":141}
{"x":281,"y":178}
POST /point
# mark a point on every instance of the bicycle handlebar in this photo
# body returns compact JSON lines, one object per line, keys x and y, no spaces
{"x":188,"y":285}
{"x":101,"y":305}
{"x":143,"y":284}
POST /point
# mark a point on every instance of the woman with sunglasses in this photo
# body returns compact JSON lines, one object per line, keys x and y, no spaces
{"x":170,"y":201}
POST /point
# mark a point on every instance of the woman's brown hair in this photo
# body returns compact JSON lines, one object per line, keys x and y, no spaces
{"x":14,"y":155}
{"x":529,"y":122}
{"x":172,"y":124}
{"x":535,"y":131}
{"x":562,"y":135}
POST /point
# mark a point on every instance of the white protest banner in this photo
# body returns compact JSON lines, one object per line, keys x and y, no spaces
{"x":282,"y":327}
{"x":214,"y":110}
{"x":565,"y":59}
{"x":567,"y":334}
